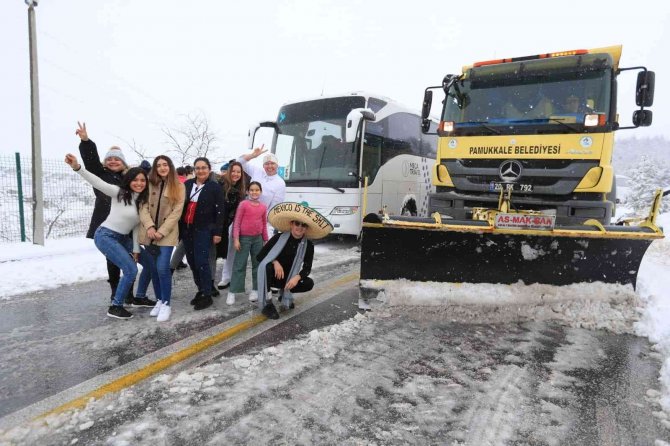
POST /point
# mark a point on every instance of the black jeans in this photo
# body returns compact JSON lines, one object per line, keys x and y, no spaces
{"x":303,"y":285}
{"x":197,"y":243}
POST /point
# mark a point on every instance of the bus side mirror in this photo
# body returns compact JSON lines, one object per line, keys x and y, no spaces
{"x":642,"y":118}
{"x":254,"y":128}
{"x":353,"y":122}
{"x":644,"y":91}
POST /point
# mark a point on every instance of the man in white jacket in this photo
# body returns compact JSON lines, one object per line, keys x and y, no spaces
{"x":274,"y":187}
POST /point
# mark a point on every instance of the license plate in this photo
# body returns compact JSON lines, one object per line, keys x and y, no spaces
{"x":524,"y":221}
{"x":514,"y":187}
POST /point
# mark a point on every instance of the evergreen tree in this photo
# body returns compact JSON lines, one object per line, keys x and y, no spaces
{"x":646,"y":177}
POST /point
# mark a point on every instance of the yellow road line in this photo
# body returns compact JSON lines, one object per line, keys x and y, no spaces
{"x":156,"y":367}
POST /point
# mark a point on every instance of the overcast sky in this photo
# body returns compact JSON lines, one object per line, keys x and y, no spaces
{"x":130,"y":68}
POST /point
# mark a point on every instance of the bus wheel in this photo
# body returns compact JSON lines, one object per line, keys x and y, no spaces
{"x":409,"y":209}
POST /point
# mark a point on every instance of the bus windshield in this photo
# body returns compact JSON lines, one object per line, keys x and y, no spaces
{"x":559,"y":98}
{"x":311,"y":145}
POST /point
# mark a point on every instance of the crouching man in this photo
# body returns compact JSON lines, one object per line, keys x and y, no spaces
{"x":286,"y":259}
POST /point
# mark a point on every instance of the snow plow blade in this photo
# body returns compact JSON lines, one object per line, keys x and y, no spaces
{"x":423,"y":249}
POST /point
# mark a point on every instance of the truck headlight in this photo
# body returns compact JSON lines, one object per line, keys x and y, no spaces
{"x":344,"y":210}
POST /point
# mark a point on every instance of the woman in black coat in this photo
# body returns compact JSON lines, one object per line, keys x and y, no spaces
{"x":200,"y":228}
{"x":111,"y":171}
{"x":234,"y":188}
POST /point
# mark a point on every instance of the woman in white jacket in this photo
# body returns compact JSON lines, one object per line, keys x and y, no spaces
{"x":111,"y":238}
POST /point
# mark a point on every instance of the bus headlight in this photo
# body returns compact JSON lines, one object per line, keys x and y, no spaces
{"x":344,"y":210}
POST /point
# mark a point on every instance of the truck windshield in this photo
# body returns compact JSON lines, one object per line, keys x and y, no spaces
{"x":310,"y":144}
{"x":557,"y":98}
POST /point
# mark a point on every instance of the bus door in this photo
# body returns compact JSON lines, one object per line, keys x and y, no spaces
{"x":370,"y":164}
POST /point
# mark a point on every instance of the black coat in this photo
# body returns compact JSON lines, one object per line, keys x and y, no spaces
{"x":103,"y":203}
{"x":209,"y":213}
{"x":232,"y":200}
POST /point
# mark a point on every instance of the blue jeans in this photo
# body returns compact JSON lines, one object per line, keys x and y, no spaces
{"x":118,"y":249}
{"x":198,"y":243}
{"x":156,"y":270}
{"x":249,"y":245}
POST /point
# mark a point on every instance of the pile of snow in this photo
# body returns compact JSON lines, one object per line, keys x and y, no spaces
{"x":26,"y":268}
{"x":592,"y":306}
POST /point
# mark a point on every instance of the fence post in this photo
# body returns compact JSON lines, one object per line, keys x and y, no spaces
{"x":20,"y":193}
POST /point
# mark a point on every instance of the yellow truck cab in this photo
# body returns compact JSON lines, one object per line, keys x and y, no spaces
{"x":539,"y":126}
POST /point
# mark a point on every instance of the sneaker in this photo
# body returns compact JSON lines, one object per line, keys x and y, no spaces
{"x":164,"y":313}
{"x":203,"y":302}
{"x":156,"y":309}
{"x":130,"y":297}
{"x":223,"y":285}
{"x":230,"y":300}
{"x":198,"y":295}
{"x":215,"y":292}
{"x":119,"y":312}
{"x":270,"y":312}
{"x":143,"y":302}
{"x":253,"y":296}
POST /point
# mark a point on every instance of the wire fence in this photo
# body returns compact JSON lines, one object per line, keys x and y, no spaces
{"x":68,"y":200}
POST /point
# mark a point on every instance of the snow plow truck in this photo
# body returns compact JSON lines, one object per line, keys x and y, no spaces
{"x":524,"y":186}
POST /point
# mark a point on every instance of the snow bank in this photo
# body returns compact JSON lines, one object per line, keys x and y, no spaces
{"x":26,"y":268}
{"x":593,"y":306}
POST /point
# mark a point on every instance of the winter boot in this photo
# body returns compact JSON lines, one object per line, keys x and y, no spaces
{"x":270,"y":312}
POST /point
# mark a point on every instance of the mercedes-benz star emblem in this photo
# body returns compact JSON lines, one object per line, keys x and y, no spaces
{"x":510,"y":171}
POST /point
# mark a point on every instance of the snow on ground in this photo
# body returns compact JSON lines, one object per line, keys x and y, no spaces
{"x":249,"y":398}
{"x":26,"y":268}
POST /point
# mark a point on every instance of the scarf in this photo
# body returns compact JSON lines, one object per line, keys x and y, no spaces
{"x":287,"y":296}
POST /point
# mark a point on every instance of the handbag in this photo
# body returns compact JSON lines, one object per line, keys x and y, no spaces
{"x":152,"y":249}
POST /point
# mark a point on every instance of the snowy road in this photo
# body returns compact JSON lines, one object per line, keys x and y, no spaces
{"x":391,"y":378}
{"x":425,"y":375}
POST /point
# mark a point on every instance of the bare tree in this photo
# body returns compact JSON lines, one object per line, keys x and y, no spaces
{"x":192,"y":139}
{"x":139,"y":150}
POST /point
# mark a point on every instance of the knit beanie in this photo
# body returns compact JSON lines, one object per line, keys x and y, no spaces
{"x":270,"y":158}
{"x":116,"y":152}
{"x":145,"y":166}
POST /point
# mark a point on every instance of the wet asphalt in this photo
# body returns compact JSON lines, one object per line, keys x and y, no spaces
{"x":55,"y":339}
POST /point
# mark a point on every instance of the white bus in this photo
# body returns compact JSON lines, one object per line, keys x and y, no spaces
{"x":324,"y":160}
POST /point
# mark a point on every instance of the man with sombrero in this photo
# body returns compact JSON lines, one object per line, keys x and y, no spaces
{"x":286,"y":259}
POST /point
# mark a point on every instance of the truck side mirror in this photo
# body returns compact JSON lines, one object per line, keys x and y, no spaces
{"x":644,"y":91}
{"x":354,"y":119}
{"x":425,"y":110}
{"x":642,"y":118}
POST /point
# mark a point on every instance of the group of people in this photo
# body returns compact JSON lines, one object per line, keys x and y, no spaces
{"x":140,"y":217}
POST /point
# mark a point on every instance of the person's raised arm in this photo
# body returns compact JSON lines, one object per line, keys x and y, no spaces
{"x":251,"y":169}
{"x":106,"y":188}
{"x":88,"y":151}
{"x":258,"y":151}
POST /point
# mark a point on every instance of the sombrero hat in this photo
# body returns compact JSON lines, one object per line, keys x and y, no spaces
{"x":282,"y":214}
